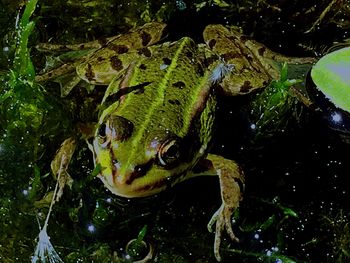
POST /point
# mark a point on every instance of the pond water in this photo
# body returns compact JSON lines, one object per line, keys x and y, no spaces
{"x":295,"y":206}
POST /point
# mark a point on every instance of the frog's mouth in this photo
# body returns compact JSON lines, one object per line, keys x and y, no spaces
{"x":135,"y":187}
{"x":135,"y":183}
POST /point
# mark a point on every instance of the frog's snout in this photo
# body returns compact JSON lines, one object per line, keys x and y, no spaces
{"x":123,"y":182}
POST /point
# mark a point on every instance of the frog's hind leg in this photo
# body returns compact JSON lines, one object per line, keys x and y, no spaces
{"x":57,"y":72}
{"x":65,"y":75}
{"x":232,"y":186}
{"x":95,"y":44}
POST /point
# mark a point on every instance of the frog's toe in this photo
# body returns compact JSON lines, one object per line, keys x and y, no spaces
{"x":222,"y":218}
{"x":213,"y":220}
{"x":220,"y":226}
{"x":228,"y":224}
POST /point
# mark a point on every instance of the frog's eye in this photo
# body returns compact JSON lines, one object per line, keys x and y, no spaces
{"x":102,"y":133}
{"x":120,"y":128}
{"x":169,"y":152}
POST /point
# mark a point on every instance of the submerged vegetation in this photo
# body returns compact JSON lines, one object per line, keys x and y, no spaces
{"x":29,"y":117}
{"x":274,"y":107}
{"x":95,"y":225}
{"x":339,"y":240}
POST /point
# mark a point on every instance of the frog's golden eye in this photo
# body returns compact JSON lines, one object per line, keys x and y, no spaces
{"x":169,"y":152}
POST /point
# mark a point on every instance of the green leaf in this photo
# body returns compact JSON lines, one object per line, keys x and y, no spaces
{"x":96,"y":170}
{"x":221,"y":3}
{"x":284,"y":72}
{"x":142,"y":233}
{"x":22,"y":62}
{"x":28,"y":11}
{"x":331,"y":74}
{"x":289,"y":212}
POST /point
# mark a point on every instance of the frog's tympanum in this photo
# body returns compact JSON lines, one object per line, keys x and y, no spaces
{"x":159,"y":109}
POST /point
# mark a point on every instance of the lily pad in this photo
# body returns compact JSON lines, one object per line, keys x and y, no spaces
{"x":331,"y":74}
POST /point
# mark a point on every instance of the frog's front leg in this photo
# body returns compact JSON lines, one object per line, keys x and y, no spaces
{"x":231,"y":185}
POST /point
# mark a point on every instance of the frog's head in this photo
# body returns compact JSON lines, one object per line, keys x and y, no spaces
{"x":138,"y":162}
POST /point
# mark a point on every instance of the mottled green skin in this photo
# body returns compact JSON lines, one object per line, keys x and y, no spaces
{"x":114,"y":56}
{"x":175,"y":102}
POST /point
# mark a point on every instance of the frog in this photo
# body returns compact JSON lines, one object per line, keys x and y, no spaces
{"x":156,"y":118}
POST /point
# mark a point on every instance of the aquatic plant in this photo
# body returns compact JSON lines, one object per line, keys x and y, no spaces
{"x":20,"y":101}
{"x":331,"y":71}
{"x":266,"y":240}
{"x":18,"y":83}
{"x":333,"y":9}
{"x":339,"y":241}
{"x":24,"y":105}
{"x":23,"y":65}
{"x":272,"y":108}
{"x":27,"y":117}
{"x":137,"y":248}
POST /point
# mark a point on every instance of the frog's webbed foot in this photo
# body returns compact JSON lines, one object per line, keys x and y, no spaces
{"x":60,"y":163}
{"x":232,"y":184}
{"x":222,"y":218}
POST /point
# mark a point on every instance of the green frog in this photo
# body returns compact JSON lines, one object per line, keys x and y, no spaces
{"x":157,"y":115}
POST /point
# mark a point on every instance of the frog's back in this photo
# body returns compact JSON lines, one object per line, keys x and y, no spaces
{"x":172,"y":89}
